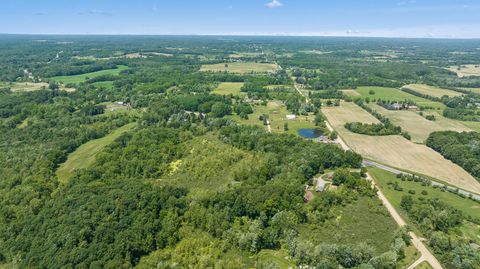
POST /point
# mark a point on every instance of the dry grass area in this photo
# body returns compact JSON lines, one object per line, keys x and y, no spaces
{"x":466,"y":70}
{"x":351,"y":93}
{"x":27,"y":86}
{"x":431,"y":91}
{"x":395,"y":150}
{"x":418,"y":126}
{"x":240,"y":67}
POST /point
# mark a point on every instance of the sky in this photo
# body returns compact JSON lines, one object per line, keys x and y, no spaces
{"x":382,"y":18}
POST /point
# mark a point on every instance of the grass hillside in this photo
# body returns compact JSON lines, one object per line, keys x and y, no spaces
{"x":83,"y":77}
{"x":84,"y":156}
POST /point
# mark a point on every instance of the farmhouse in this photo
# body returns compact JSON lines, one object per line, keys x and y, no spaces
{"x":291,"y":117}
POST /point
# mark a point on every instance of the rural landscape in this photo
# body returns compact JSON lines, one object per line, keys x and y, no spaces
{"x":239,"y":151}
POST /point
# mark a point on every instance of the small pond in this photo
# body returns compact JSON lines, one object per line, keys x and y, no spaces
{"x":309,"y":133}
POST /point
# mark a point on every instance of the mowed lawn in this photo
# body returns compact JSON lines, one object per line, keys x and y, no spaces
{"x":418,"y":126}
{"x":431,"y":91}
{"x":227,"y":88}
{"x":83,"y":77}
{"x":240,"y":67}
{"x":395,"y":150}
{"x":467,"y":206}
{"x":277,"y":114}
{"x":85,"y":155}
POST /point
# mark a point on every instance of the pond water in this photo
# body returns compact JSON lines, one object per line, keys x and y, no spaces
{"x":309,"y":133}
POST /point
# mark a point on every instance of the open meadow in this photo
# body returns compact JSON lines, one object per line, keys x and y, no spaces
{"x":395,"y":150}
{"x":418,"y":126}
{"x":84,"y":156}
{"x":227,"y":88}
{"x":431,"y":90}
{"x":84,"y":77}
{"x":466,"y":70}
{"x":396,"y":95}
{"x":240,"y":67}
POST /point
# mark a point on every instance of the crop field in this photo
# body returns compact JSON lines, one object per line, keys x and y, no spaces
{"x":240,"y":67}
{"x":467,"y":206}
{"x":397,"y":95}
{"x":277,"y":114}
{"x":466,"y":70}
{"x":418,"y":126}
{"x":351,"y":93}
{"x":83,"y":77}
{"x":85,"y":155}
{"x":397,"y":151}
{"x":431,"y":91}
{"x":227,"y":88}
{"x":364,"y":220}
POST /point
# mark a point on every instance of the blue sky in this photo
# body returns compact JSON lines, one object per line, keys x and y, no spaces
{"x":403,"y":18}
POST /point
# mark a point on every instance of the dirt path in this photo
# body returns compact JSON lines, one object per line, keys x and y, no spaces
{"x":426,"y":255}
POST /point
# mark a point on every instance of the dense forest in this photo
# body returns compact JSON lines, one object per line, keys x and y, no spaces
{"x":462,"y":148}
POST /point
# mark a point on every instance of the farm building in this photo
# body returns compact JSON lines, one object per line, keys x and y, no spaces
{"x":291,"y":117}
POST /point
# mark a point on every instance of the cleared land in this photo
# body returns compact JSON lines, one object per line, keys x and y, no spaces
{"x":84,"y":156}
{"x":227,"y":88}
{"x":431,"y":91}
{"x":240,"y":67}
{"x":469,"y":207}
{"x":30,"y":86}
{"x":397,"y":151}
{"x":417,"y":126}
{"x":245,"y":55}
{"x":277,"y":114}
{"x":466,"y":70}
{"x":397,"y":95}
{"x":84,"y":77}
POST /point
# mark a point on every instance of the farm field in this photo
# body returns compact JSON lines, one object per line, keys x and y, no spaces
{"x":83,"y":77}
{"x":351,"y":93}
{"x":467,"y":206}
{"x":395,"y":150}
{"x":466,"y":70}
{"x":418,"y":126}
{"x":240,"y":67}
{"x":431,"y":91}
{"x":244,"y":55}
{"x":84,"y":156}
{"x":397,"y":95}
{"x":227,"y":88}
{"x":277,"y":113}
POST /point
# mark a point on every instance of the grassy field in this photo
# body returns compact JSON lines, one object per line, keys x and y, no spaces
{"x":277,"y":114}
{"x":417,"y":126}
{"x":364,"y":220}
{"x":84,"y":156}
{"x":241,"y":67}
{"x":467,"y":206}
{"x":227,"y":88}
{"x":83,"y":77}
{"x":466,"y":70}
{"x":473,"y":90}
{"x":395,"y":150}
{"x":352,"y":93}
{"x":30,"y":86}
{"x":277,"y":257}
{"x":393,"y":94}
{"x":424,"y":265}
{"x":104,"y":84}
{"x":431,"y":91}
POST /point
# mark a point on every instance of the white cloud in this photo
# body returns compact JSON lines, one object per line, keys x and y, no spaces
{"x":274,"y":4}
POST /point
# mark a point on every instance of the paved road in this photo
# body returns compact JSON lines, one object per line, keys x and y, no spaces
{"x":434,"y":183}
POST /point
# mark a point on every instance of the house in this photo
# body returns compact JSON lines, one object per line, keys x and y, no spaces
{"x":291,"y":117}
{"x":395,"y":106}
{"x":320,"y":184}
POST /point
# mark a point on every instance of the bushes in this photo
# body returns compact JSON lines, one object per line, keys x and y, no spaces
{"x":373,"y":129}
